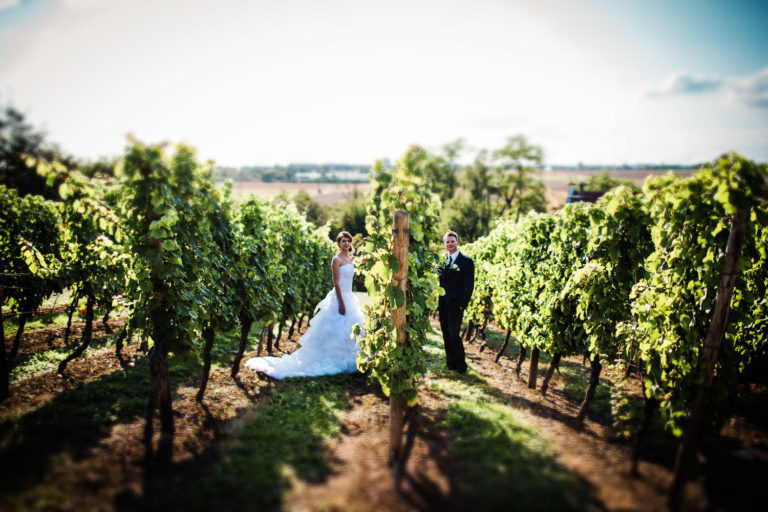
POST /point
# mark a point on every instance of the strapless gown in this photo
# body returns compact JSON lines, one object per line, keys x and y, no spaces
{"x":327,"y":346}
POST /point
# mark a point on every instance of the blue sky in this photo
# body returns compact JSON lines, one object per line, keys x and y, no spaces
{"x":262,"y":82}
{"x":710,"y":36}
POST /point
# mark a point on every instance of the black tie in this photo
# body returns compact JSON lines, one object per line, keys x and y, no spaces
{"x":448,"y":261}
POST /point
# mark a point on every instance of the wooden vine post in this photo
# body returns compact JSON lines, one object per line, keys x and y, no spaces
{"x":503,"y":346}
{"x":397,"y":406}
{"x":160,"y":388}
{"x":533,"y":368}
{"x":712,"y":342}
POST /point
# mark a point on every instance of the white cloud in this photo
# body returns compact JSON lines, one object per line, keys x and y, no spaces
{"x":8,"y":4}
{"x":750,"y":90}
{"x":685,"y":82}
{"x":254,"y":82}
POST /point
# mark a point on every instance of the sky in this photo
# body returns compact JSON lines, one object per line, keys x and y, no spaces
{"x":256,"y":82}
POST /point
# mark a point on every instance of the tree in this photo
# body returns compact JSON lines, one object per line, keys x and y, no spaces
{"x":603,"y":182}
{"x":19,"y":140}
{"x":167,"y":231}
{"x":470,"y":210}
{"x":515,"y":163}
{"x":477,"y":179}
{"x":441,"y":171}
{"x":468,"y":217}
{"x":102,"y":168}
{"x":26,"y":222}
{"x":350,"y":216}
{"x":306,"y":205}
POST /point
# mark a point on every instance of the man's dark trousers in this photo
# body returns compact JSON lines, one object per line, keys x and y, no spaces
{"x":450,"y":325}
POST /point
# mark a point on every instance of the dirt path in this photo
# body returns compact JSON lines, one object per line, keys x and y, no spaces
{"x":101,"y":467}
{"x":590,"y":452}
{"x":360,"y":478}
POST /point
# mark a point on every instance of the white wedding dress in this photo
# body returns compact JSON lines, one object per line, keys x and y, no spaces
{"x":327,"y":347}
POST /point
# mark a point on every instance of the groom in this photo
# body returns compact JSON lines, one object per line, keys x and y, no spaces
{"x":457,"y":277}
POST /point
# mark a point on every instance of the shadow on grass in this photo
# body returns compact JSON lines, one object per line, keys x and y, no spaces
{"x":660,"y":446}
{"x":575,"y":379}
{"x":11,"y":324}
{"x":731,"y":473}
{"x":505,"y":464}
{"x":267,"y":450}
{"x":77,"y":419}
{"x":734,"y":474}
{"x":52,"y":357}
{"x":226,"y":345}
{"x":495,"y":340}
{"x":494,"y":459}
{"x":538,"y":408}
{"x":74,"y":421}
{"x":270,"y":444}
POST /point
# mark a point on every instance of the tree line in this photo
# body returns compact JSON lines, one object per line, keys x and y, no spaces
{"x":498,"y":184}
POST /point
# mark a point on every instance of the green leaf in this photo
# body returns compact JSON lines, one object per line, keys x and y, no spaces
{"x":158,"y":202}
{"x":170,"y":245}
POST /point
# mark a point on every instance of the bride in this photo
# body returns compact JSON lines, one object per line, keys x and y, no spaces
{"x":327,"y":346}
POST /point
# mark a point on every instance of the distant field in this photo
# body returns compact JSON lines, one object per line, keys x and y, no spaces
{"x":557,"y":183}
{"x":324,"y":193}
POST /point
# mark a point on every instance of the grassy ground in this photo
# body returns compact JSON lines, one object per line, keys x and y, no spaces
{"x":485,"y":442}
{"x":283,"y":442}
{"x":272,"y":447}
{"x":505,"y":461}
{"x":10,"y":323}
{"x":27,"y":366}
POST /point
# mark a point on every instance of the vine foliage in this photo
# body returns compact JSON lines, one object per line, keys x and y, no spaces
{"x":400,"y":188}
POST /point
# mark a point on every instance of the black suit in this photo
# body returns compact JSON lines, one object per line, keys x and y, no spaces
{"x":458,"y":280}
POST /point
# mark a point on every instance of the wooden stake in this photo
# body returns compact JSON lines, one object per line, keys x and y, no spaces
{"x":533,"y":368}
{"x":400,"y":236}
{"x":712,"y":343}
{"x":550,"y":371}
{"x":503,"y":346}
{"x":520,"y":359}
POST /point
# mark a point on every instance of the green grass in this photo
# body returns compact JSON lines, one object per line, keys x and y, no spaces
{"x":224,"y":349}
{"x":10,"y":323}
{"x":505,"y":462}
{"x":575,"y":378}
{"x":30,"y":365}
{"x":272,"y":447}
{"x":71,"y":421}
{"x":226,"y":344}
{"x":74,"y":420}
{"x":10,"y":320}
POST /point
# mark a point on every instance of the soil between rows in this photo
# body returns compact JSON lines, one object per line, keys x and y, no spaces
{"x":101,"y":467}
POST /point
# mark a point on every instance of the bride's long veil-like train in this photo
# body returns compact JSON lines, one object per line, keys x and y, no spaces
{"x":327,"y":346}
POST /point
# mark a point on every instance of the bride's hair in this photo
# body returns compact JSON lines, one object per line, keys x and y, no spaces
{"x":343,"y":234}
